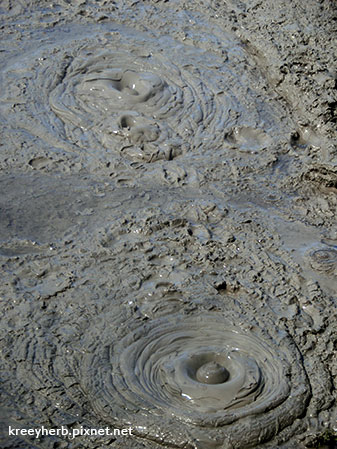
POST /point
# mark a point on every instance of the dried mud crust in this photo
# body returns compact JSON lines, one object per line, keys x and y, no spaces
{"x":302,"y":59}
{"x":168,"y":239}
{"x":323,"y":176}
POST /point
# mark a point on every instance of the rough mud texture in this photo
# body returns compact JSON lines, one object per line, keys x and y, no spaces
{"x":168,"y":238}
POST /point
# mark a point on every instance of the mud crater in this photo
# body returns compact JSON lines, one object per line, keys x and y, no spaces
{"x":211,"y":389}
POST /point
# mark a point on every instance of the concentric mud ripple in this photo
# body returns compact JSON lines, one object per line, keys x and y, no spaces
{"x":216,"y":383}
{"x":324,"y":260}
{"x":140,"y":96}
{"x":143,"y":107}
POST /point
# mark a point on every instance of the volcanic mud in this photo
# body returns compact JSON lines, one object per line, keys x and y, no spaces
{"x":168,"y":240}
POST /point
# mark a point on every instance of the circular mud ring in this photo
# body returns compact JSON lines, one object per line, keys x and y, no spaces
{"x":141,"y":97}
{"x":144,"y":108}
{"x":199,"y":379}
{"x":324,"y":260}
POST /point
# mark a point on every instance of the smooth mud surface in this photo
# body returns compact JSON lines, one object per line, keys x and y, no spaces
{"x":168,"y":234}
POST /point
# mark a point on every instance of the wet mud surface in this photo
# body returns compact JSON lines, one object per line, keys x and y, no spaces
{"x":168,"y":238}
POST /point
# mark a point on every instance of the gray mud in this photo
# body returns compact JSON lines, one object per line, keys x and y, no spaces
{"x":168,"y":238}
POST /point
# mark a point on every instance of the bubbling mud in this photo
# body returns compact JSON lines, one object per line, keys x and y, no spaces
{"x":211,"y":373}
{"x":205,"y":374}
{"x":107,"y":96}
{"x":169,"y":296}
{"x":145,"y":108}
{"x":324,"y":260}
{"x":123,"y":107}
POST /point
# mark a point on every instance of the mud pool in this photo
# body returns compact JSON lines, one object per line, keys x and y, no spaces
{"x":168,"y":235}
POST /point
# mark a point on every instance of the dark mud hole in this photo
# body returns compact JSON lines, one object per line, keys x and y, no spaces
{"x":168,"y":239}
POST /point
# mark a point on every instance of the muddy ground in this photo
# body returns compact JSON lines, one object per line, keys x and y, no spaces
{"x":168,"y":238}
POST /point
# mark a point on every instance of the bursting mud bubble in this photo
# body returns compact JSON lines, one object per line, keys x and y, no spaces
{"x":168,"y":241}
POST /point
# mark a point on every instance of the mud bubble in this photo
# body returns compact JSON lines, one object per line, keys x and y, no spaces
{"x":113,"y":99}
{"x":198,"y":379}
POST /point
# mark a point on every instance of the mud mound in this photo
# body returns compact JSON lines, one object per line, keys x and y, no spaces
{"x":210,"y":377}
